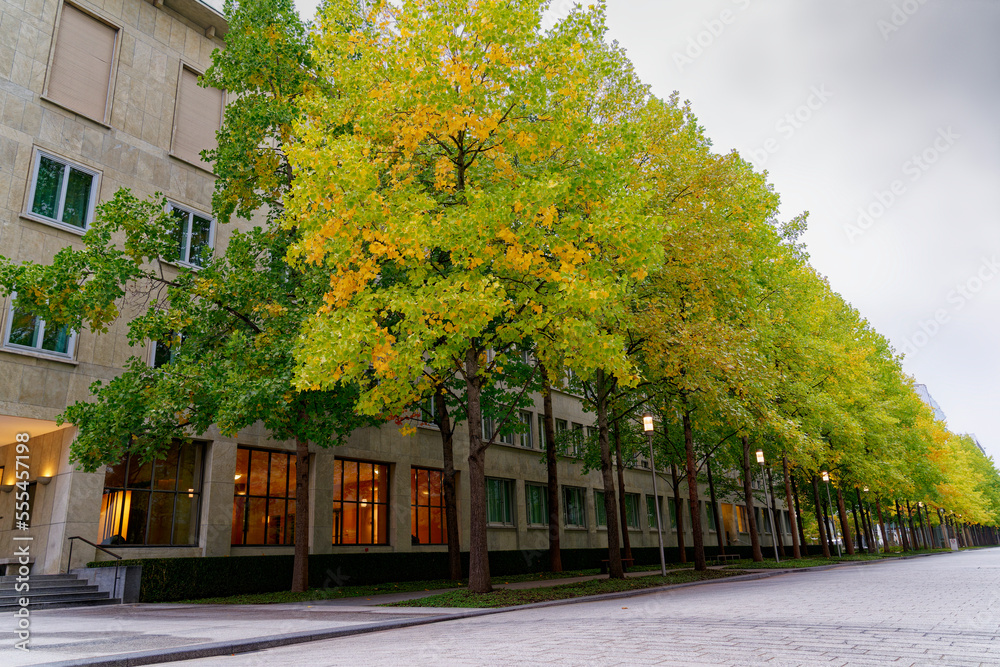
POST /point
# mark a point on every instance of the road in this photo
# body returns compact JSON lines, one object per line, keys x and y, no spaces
{"x":938,"y":610}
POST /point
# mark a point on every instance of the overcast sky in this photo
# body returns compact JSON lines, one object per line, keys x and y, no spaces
{"x":882,"y":119}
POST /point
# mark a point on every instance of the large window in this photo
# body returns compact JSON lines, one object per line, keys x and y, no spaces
{"x":537,"y":502}
{"x":193,"y":234}
{"x":153,"y":503}
{"x":32,"y":333}
{"x":500,"y":501}
{"x":62,"y":192}
{"x":360,"y":502}
{"x":427,"y":506}
{"x":575,"y":501}
{"x":264,"y":497}
{"x":651,"y":511}
{"x":524,"y":436}
{"x":672,"y":511}
{"x":197,"y":118}
{"x":632,"y":510}
{"x":82,"y":62}
{"x":600,"y":513}
{"x":541,"y":430}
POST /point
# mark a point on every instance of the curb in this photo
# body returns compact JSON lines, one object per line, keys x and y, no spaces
{"x":233,"y":647}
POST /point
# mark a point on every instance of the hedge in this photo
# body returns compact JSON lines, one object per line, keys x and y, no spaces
{"x":170,"y":579}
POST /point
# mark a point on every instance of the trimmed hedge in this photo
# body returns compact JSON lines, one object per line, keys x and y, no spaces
{"x":170,"y":579}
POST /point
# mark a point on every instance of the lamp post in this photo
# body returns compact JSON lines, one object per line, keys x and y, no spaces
{"x":826,"y":478}
{"x":770,"y":511}
{"x":647,"y":426}
{"x":870,"y":526}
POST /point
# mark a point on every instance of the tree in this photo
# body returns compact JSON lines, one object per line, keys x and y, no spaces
{"x":486,"y":178}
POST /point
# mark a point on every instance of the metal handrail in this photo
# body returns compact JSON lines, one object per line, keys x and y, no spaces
{"x":69,"y":561}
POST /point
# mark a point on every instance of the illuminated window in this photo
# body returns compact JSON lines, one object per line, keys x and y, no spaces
{"x":427,"y":506}
{"x":360,"y":502}
{"x":153,"y":503}
{"x":264,"y":497}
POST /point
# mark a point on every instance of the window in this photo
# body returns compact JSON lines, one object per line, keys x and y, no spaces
{"x":427,"y":506}
{"x":62,"y":193}
{"x":577,"y":444}
{"x":672,"y":512}
{"x":632,"y":510}
{"x":601,"y":514}
{"x":197,"y":117}
{"x":537,"y":500}
{"x":575,"y":500}
{"x":710,"y":515}
{"x":153,"y":502}
{"x":500,"y":501}
{"x":82,"y":62}
{"x":31,"y":333}
{"x":651,"y":511}
{"x":741,"y":519}
{"x":264,"y":497}
{"x":164,"y":352}
{"x":524,"y":436}
{"x":541,"y":430}
{"x":360,"y":502}
{"x":193,"y":235}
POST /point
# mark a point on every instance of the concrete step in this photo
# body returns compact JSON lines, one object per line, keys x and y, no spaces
{"x":48,"y":596}
{"x":52,"y":591}
{"x":37,"y":591}
{"x":43,"y":583}
{"x":36,"y":605}
{"x":39,"y":578}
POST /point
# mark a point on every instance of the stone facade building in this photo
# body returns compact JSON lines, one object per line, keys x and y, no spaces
{"x":96,"y":95}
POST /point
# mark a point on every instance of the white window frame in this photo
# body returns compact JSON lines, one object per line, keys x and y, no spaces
{"x":67,"y":164}
{"x":7,"y":345}
{"x":526,"y":440}
{"x":191,"y":212}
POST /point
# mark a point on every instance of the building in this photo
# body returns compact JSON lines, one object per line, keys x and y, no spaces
{"x":926,"y":397}
{"x":99,"y":95}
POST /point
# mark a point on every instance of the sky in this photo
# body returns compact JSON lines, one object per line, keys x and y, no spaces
{"x":881,"y":118}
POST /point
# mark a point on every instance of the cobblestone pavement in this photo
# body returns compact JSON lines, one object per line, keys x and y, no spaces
{"x":939,"y":610}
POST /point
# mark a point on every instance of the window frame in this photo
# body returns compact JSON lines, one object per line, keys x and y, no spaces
{"x":635,"y":523}
{"x":581,"y":496}
{"x":544,"y":504}
{"x":416,"y":506}
{"x":526,"y":420}
{"x":651,"y":515}
{"x":288,"y":531}
{"x":385,"y":499}
{"x":599,"y":509}
{"x":172,"y":207}
{"x":69,"y":355}
{"x":510,"y":505}
{"x":95,"y":190}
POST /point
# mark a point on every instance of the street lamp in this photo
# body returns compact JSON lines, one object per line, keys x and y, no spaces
{"x":647,"y":427}
{"x":826,"y":478}
{"x":873,"y":531}
{"x":770,"y":511}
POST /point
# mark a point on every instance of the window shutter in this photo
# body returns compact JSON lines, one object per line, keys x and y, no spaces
{"x":197,"y":119}
{"x":80,"y":78}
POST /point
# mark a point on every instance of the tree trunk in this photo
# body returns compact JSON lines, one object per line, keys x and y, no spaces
{"x":615,"y":570}
{"x":819,"y":519}
{"x":551,"y":464}
{"x":865,"y":526}
{"x":917,"y":542}
{"x":798,"y":517}
{"x":775,"y":517}
{"x":793,"y":510}
{"x":831,"y":536}
{"x":902,"y":528}
{"x":845,"y":526}
{"x":692,"y":480}
{"x":622,"y":510}
{"x":881,"y":523}
{"x":450,"y":495}
{"x":720,"y":532}
{"x":858,"y":537}
{"x":678,"y":514}
{"x":479,"y":557}
{"x":300,"y":562}
{"x":748,"y":499}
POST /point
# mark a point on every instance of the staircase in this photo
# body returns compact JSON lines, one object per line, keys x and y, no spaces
{"x":52,"y":591}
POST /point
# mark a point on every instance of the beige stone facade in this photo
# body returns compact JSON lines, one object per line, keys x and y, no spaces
{"x":133,"y":145}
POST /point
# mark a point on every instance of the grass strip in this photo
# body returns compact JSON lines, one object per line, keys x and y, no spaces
{"x":511,"y":598}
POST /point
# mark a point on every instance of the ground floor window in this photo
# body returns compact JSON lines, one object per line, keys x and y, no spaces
{"x":537,"y":502}
{"x":600,"y":514}
{"x":500,"y":501}
{"x":360,"y":502}
{"x":632,"y":510}
{"x":264,"y":497}
{"x":575,"y":500}
{"x":153,"y":502}
{"x":651,"y":511}
{"x":427,"y":518}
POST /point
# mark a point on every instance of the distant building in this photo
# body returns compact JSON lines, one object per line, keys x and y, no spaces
{"x":926,"y":397}
{"x":977,"y":443}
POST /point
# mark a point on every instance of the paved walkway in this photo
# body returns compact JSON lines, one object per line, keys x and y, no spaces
{"x":941,"y":611}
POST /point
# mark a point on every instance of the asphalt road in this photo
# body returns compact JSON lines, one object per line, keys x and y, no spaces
{"x":939,"y":610}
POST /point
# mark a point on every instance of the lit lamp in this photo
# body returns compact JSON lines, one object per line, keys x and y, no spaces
{"x":647,"y":427}
{"x":826,"y":478}
{"x":770,"y":511}
{"x":44,"y":480}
